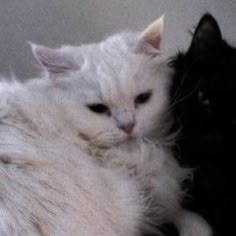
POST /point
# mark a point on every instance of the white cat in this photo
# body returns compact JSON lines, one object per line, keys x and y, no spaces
{"x":77,"y":152}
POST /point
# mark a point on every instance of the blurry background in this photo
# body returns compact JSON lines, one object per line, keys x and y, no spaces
{"x":56,"y":22}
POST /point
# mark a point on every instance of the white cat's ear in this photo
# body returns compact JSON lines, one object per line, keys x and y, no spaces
{"x":150,"y":38}
{"x":54,"y":61}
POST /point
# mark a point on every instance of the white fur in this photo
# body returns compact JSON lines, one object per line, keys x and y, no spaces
{"x":191,"y":224}
{"x":66,"y":170}
{"x":65,"y":195}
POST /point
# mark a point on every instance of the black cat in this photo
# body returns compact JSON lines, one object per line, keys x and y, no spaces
{"x":203,"y":97}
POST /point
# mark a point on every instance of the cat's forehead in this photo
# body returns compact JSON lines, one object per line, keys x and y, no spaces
{"x":117,"y":70}
{"x":114,"y":55}
{"x":113,"y":70}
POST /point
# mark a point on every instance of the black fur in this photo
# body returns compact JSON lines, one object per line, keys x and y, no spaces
{"x":204,"y":104}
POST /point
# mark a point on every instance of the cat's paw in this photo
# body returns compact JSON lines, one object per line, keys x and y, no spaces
{"x":191,"y":224}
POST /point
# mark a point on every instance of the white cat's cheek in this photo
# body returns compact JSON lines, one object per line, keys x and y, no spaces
{"x":148,"y":119}
{"x":138,"y":129}
{"x":100,"y":130}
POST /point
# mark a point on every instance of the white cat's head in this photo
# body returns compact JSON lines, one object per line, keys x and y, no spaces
{"x":115,"y":89}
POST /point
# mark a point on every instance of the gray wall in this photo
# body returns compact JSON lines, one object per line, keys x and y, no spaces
{"x":55,"y":22}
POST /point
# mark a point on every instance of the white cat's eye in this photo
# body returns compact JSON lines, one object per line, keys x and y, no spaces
{"x":143,"y":98}
{"x":98,"y":108}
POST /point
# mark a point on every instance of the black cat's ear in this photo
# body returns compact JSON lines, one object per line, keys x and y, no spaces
{"x":52,"y":60}
{"x":207,"y":35}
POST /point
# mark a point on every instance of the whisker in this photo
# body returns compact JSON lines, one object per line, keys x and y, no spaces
{"x":176,"y":102}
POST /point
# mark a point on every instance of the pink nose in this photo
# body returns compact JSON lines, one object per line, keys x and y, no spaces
{"x":127,"y":127}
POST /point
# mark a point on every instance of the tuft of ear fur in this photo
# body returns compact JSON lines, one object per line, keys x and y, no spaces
{"x":53,"y":60}
{"x":150,"y":39}
{"x":207,"y":34}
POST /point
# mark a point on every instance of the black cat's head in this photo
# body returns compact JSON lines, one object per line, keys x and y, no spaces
{"x":204,"y":86}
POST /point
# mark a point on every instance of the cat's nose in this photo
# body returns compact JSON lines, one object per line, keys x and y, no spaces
{"x":125,"y":120}
{"x":127,"y":127}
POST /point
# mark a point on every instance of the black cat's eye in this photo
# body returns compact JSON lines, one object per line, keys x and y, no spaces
{"x":98,"y":108}
{"x":143,"y":98}
{"x":203,"y":99}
